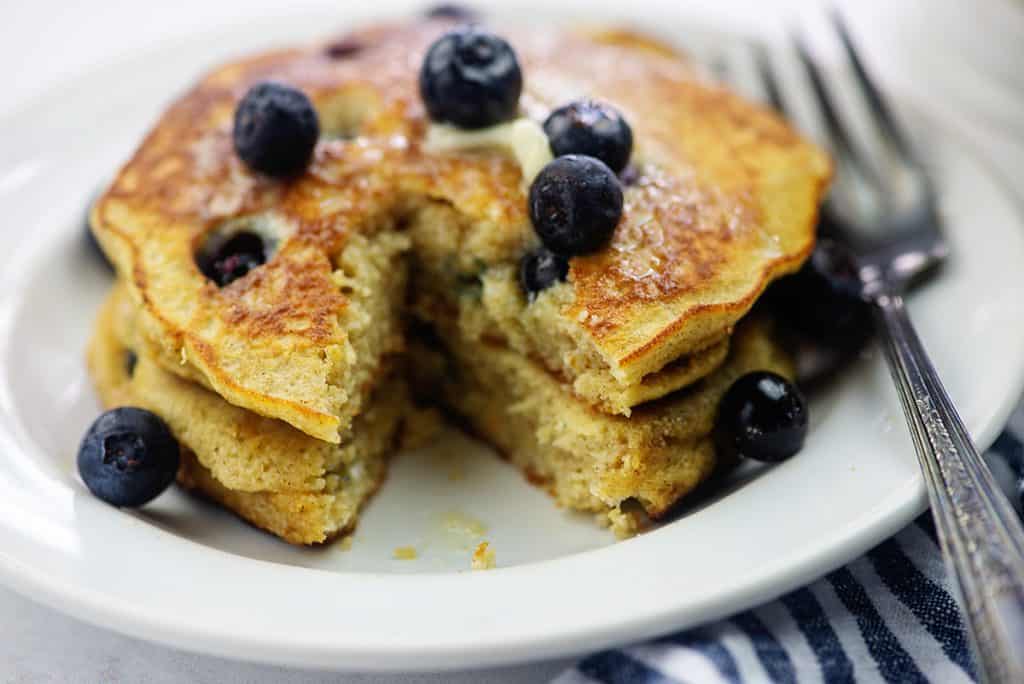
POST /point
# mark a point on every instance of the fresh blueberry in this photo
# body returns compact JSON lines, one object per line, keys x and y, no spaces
{"x":241,"y":253}
{"x":575,"y":203}
{"x":128,"y":457}
{"x":451,"y":11}
{"x":471,"y":78}
{"x":276,"y":129}
{"x":592,"y":128}
{"x":822,"y":300}
{"x":540,"y":269}
{"x":762,"y":416}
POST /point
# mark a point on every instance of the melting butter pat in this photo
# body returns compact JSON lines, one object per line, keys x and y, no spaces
{"x":523,"y":138}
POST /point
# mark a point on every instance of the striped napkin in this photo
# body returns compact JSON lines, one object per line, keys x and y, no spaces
{"x":888,"y":616}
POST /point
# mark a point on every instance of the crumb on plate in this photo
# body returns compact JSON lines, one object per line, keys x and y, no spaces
{"x":405,"y":553}
{"x":483,"y":557}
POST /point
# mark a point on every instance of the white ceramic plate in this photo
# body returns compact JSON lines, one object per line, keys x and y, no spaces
{"x":184,"y":573}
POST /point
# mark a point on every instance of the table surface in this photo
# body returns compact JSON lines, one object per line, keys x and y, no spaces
{"x":50,"y":40}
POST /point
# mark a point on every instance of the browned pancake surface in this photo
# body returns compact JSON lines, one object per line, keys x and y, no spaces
{"x":725,"y":200}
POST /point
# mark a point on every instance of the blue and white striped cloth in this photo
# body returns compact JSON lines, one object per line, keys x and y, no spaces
{"x":888,"y":616}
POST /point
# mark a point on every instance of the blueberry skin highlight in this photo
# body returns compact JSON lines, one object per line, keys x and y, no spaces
{"x":243,"y":252}
{"x":595,"y":129}
{"x":763,"y":417}
{"x":575,"y":204}
{"x":128,"y":457}
{"x":275,"y":129}
{"x":471,"y":78}
{"x":540,"y":269}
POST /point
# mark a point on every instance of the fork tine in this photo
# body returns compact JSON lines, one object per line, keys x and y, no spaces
{"x":876,"y":102}
{"x":719,"y":67}
{"x":768,"y":79}
{"x":837,"y":131}
{"x":856,"y":178}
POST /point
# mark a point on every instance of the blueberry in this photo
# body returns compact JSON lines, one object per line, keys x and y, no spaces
{"x":471,"y":78}
{"x":276,"y":129}
{"x":575,"y":203}
{"x":131,"y":360}
{"x":241,"y":253}
{"x":451,"y":11}
{"x":592,"y":128}
{"x":630,"y":175}
{"x":342,"y":48}
{"x":822,"y":300}
{"x":762,"y":416}
{"x":540,"y":269}
{"x":128,"y":457}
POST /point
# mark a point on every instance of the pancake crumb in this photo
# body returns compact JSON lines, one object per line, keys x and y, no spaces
{"x":345,"y":543}
{"x":460,"y":530}
{"x":623,"y":523}
{"x":405,"y":553}
{"x":483,"y":557}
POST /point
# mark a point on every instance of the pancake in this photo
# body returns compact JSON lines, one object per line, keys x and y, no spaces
{"x":307,"y":491}
{"x":489,"y":305}
{"x":724,"y":199}
{"x":622,"y":469}
{"x":278,"y":478}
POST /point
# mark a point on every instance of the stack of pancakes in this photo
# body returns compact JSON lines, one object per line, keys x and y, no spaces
{"x":392,"y":279}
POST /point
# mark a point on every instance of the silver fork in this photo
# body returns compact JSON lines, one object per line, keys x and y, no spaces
{"x":882,"y":207}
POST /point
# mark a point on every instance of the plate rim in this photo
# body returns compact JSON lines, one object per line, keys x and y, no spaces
{"x":92,"y":607}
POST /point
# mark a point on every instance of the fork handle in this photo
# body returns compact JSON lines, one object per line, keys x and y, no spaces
{"x":980,"y":532}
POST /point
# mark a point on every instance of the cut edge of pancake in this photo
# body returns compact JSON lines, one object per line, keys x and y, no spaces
{"x":621,"y":469}
{"x":304,"y":490}
{"x":625,"y":471}
{"x":373,"y":298}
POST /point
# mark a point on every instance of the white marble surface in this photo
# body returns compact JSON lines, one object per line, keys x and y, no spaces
{"x":955,"y":70}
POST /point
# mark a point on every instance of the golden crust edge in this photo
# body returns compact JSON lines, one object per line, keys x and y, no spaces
{"x":772,"y":270}
{"x":323,"y":426}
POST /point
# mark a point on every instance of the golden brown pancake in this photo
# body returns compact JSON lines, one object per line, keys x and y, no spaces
{"x":300,"y":488}
{"x":622,"y":469}
{"x":724,"y":200}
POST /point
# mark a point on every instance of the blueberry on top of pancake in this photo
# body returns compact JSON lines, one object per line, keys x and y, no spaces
{"x":595,"y":129}
{"x":275,"y":129}
{"x":575,"y":204}
{"x":471,"y":78}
